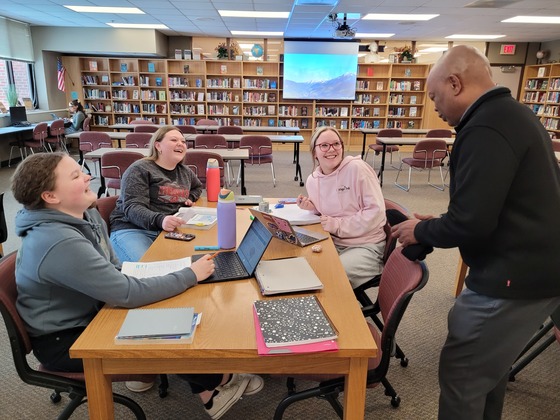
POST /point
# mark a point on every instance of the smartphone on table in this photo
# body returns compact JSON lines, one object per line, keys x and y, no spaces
{"x":179,"y":236}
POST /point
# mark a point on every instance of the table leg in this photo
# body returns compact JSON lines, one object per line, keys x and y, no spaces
{"x":364,"y":145}
{"x":242,"y":176}
{"x":355,"y":389}
{"x":298,"y":167}
{"x":382,"y":168}
{"x":99,"y":391}
{"x":460,"y":276}
{"x":102,"y":188}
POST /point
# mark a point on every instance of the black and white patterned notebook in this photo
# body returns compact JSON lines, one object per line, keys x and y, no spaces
{"x":293,"y":321}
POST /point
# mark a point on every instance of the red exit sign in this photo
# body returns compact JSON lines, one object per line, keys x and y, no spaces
{"x":507,"y":49}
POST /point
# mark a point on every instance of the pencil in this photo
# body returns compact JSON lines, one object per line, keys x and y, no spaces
{"x":214,"y":255}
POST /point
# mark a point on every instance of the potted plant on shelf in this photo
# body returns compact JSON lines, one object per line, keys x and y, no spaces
{"x":406,"y":54}
{"x":222,"y":51}
{"x":12,"y":95}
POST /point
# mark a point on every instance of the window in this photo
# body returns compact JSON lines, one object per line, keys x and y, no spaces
{"x":20,"y":74}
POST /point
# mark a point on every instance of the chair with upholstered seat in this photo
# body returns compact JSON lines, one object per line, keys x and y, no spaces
{"x":214,"y":141}
{"x":378,"y":147}
{"x":40,"y":133}
{"x":260,"y":152}
{"x":90,"y":141}
{"x":427,"y":154}
{"x":197,"y":159}
{"x":230,"y":129}
{"x":114,"y":164}
{"x":207,"y":121}
{"x":56,"y":136}
{"x":61,"y":382}
{"x":145,"y":128}
{"x":138,"y":140}
{"x":442,"y":133}
{"x":401,"y":278}
{"x":188,"y":129}
{"x":140,"y":121}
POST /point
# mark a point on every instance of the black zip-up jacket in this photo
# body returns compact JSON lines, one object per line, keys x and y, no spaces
{"x":504,"y":208}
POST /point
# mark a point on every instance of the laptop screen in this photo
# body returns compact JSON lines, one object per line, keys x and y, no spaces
{"x":253,"y":245}
{"x":17,"y":114}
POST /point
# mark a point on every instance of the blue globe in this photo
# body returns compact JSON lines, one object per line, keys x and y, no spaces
{"x":257,"y":50}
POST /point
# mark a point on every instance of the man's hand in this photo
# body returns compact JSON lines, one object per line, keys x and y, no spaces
{"x":404,"y":232}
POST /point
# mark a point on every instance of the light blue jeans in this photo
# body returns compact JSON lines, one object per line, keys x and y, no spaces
{"x":131,"y":244}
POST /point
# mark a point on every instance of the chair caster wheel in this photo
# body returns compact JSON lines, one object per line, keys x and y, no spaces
{"x":511,"y":379}
{"x":162,"y":393}
{"x":396,"y":401}
{"x":404,"y":362}
{"x":55,"y":397}
{"x":301,"y":184}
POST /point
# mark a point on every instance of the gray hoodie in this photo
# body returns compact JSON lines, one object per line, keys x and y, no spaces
{"x":66,"y":270}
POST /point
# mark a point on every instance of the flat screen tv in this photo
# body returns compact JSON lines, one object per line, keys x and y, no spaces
{"x":17,"y":114}
{"x":320,"y":70}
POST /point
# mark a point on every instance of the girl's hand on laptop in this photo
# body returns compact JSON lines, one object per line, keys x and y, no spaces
{"x":203,"y":267}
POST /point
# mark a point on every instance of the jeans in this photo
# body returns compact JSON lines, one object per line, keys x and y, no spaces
{"x":131,"y":244}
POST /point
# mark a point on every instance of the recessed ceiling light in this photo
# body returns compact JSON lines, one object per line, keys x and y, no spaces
{"x":394,"y":16}
{"x":96,"y":9}
{"x":533,"y":19}
{"x":252,"y":14}
{"x":372,"y":35}
{"x":257,"y":33}
{"x":138,"y":25}
{"x":466,"y":36}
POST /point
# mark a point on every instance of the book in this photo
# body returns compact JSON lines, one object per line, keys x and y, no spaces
{"x":200,"y":109}
{"x":178,"y":54}
{"x":272,"y":97}
{"x":541,"y":71}
{"x":263,"y":350}
{"x":260,"y":71}
{"x":159,"y":81}
{"x":157,"y":323}
{"x":170,"y":339}
{"x":124,"y":67}
{"x":273,"y":84}
{"x":186,"y":68}
{"x":198,"y":217}
{"x":379,"y":86}
{"x":293,"y":321}
{"x":370,"y":71}
{"x":413,"y":111}
{"x":286,"y":275}
{"x":413,"y":99}
{"x":93,"y":65}
{"x":105,"y":79}
{"x":223,"y":69}
{"x":151,"y":67}
{"x":28,"y":103}
{"x":187,"y":54}
{"x":161,"y":95}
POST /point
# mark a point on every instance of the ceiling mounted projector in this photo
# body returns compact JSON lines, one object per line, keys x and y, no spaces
{"x":342,"y":30}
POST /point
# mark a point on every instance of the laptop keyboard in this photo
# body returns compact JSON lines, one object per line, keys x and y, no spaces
{"x":228,"y":265}
{"x":305,"y":239}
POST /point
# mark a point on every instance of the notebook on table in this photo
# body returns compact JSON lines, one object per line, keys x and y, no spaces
{"x":240,"y":264}
{"x":286,"y":275}
{"x":282,"y":229}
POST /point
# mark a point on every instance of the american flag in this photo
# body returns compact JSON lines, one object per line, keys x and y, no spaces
{"x":61,"y":72}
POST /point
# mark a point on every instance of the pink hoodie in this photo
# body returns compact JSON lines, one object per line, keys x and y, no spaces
{"x":351,"y":197}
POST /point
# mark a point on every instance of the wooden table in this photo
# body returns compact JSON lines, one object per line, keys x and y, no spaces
{"x":226,"y":154}
{"x":225,"y":340}
{"x":295,"y":140}
{"x":405,"y":132}
{"x":399,"y":141}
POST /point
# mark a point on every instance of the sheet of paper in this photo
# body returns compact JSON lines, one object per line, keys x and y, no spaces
{"x":157,"y":268}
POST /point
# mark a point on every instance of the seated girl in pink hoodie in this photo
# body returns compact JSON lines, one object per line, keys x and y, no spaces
{"x":345,"y":191}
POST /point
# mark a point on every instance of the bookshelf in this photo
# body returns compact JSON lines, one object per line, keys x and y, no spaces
{"x":541,"y":93}
{"x":175,"y":91}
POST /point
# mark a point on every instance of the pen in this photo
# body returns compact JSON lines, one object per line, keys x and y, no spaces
{"x":206,"y":248}
{"x":214,"y":255}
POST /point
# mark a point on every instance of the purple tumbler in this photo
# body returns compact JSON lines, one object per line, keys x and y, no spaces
{"x":226,"y":219}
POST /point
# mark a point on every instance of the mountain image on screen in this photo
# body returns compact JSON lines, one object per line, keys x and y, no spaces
{"x":320,"y":70}
{"x":340,"y":87}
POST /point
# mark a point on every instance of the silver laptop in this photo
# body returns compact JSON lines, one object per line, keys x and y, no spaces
{"x":282,"y":229}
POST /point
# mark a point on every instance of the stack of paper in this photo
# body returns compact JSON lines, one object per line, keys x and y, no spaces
{"x":158,"y":325}
{"x":198,"y":217}
{"x":293,"y":325}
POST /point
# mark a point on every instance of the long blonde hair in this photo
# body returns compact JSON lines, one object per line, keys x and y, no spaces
{"x":315,"y":136}
{"x":158,"y":137}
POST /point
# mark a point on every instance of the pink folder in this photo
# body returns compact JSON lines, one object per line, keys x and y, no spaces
{"x":263,"y":350}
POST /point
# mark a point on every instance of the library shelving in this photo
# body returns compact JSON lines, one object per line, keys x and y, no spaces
{"x":175,"y":91}
{"x":541,"y":93}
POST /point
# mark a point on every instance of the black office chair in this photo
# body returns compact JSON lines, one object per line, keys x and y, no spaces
{"x":61,"y":382}
{"x":400,"y":279}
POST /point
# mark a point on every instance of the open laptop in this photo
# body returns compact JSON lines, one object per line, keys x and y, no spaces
{"x":282,"y":229}
{"x":241,"y":264}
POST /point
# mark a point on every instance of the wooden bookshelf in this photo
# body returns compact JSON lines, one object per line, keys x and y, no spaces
{"x":541,"y":93}
{"x":173,"y":91}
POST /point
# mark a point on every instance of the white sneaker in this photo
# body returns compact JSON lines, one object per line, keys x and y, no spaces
{"x":137,"y":386}
{"x":256,"y":383}
{"x":226,"y":398}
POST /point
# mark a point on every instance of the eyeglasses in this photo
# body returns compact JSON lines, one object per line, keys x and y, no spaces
{"x":324,"y":147}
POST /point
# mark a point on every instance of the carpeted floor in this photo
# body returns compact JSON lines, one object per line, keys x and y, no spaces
{"x":422,"y":333}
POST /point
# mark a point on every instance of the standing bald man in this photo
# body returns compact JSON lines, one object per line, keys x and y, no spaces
{"x":503,"y":214}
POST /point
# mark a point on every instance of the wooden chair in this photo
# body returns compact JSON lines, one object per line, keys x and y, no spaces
{"x":72,"y":383}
